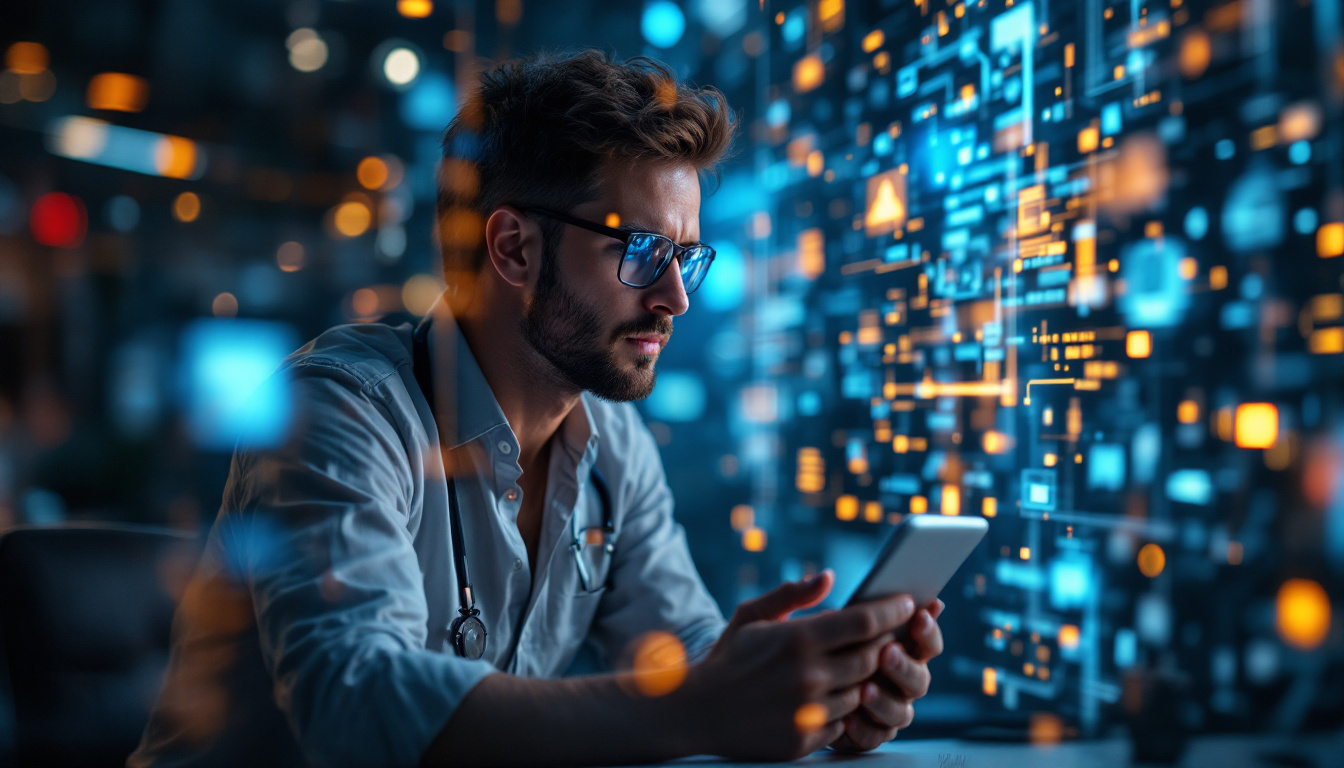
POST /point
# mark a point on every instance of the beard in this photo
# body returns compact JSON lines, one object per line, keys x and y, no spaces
{"x":569,"y":334}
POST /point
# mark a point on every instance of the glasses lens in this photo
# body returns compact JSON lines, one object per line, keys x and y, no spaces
{"x":695,"y":265}
{"x":644,"y":258}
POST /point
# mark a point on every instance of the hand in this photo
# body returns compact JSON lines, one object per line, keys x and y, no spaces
{"x":888,"y":699}
{"x":772,"y":689}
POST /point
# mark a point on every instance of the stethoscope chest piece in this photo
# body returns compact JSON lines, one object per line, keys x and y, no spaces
{"x":469,"y":634}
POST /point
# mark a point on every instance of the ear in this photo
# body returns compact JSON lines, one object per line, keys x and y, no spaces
{"x":513,"y":244}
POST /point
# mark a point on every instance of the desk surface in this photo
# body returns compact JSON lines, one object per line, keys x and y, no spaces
{"x":1227,"y":751}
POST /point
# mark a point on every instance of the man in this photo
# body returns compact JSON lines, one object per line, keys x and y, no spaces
{"x":333,"y":618}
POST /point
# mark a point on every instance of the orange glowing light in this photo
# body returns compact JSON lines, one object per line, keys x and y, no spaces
{"x":1187,"y":412}
{"x":808,"y":73}
{"x":118,"y":92}
{"x":1069,"y":637}
{"x":809,"y":717}
{"x":364,"y":302}
{"x":886,"y":206}
{"x":1045,"y":728}
{"x":951,"y":500}
{"x":753,"y":539}
{"x":613,"y":220}
{"x":352,"y":218}
{"x":1138,"y":344}
{"x":224,"y":305}
{"x":660,"y":664}
{"x":1196,"y":53}
{"x":989,"y":507}
{"x":1330,"y":240}
{"x":1218,"y":278}
{"x":1303,"y":615}
{"x":846,"y":507}
{"x":289,"y":257}
{"x":186,"y":207}
{"x":415,"y":9}
{"x":989,"y":681}
{"x":1152,"y":560}
{"x":872,"y":511}
{"x":1257,"y":425}
{"x":27,"y":58}
{"x":1088,"y":139}
{"x":175,"y":157}
{"x":996,"y":442}
{"x":873,"y":40}
{"x":811,"y":253}
{"x":372,"y":172}
{"x":742,"y":517}
{"x":918,"y":505}
{"x":1051,"y":459}
{"x":1024,"y":553}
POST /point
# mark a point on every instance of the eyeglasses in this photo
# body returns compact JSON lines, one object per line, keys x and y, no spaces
{"x":647,"y":254}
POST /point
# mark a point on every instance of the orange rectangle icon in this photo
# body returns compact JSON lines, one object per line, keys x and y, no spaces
{"x":886,"y":208}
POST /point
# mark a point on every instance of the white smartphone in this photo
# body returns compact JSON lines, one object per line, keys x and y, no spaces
{"x":920,"y":557}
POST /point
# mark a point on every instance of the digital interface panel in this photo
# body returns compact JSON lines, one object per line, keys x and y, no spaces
{"x":1073,"y":267}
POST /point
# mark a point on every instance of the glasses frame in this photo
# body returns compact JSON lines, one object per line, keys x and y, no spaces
{"x":676,"y":251}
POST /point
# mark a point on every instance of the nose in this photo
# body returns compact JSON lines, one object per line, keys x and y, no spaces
{"x":668,"y":295}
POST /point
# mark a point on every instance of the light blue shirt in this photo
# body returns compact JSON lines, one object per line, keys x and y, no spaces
{"x":317,"y":624}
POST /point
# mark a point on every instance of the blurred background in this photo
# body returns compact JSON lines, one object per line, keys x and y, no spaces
{"x":1071,"y":266}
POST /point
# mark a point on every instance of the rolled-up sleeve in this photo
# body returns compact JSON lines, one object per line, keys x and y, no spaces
{"x":654,"y":584}
{"x":327,"y":553}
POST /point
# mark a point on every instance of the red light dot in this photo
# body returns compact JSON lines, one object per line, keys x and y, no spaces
{"x":59,"y":220}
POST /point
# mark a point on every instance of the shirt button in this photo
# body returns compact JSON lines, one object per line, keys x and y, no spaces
{"x":504,"y":447}
{"x":511,"y":494}
{"x":517,"y":565}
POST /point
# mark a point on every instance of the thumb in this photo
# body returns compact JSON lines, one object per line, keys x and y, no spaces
{"x":788,"y":597}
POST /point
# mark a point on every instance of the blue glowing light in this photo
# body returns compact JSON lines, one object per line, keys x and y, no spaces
{"x":1254,"y":215}
{"x":231,"y":394}
{"x":1126,"y":648}
{"x":726,"y":282}
{"x":1300,"y":152}
{"x":430,"y":103}
{"x":663,"y":23}
{"x":795,"y":24}
{"x":1155,"y":295}
{"x":1224,"y":149}
{"x":1304,"y":221}
{"x":1070,"y":581}
{"x":1110,"y":119}
{"x":1106,"y":466}
{"x":778,"y":113}
{"x":809,"y":403}
{"x":1190,"y":486}
{"x":678,"y":396}
{"x":1197,"y":223}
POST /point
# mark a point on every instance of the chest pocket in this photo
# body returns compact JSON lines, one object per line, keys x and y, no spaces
{"x":589,"y":543}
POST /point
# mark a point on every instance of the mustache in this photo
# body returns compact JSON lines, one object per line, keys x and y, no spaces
{"x":660,"y":326}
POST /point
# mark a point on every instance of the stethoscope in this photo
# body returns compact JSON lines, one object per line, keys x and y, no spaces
{"x":468,"y":630}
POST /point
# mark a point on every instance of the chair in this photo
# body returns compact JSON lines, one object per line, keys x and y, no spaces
{"x":85,"y":614}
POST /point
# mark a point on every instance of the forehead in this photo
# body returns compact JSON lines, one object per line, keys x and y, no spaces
{"x":664,"y":198}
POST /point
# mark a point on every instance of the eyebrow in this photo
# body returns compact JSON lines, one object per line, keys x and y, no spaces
{"x":634,"y":227}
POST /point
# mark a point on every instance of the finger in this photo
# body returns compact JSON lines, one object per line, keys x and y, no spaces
{"x":936,"y":608}
{"x":858,"y":623}
{"x":886,"y":707}
{"x":831,"y":734}
{"x":923,"y":637}
{"x":841,"y":703}
{"x":790,"y":596}
{"x":855,"y":664}
{"x":910,"y":676}
{"x":866,"y":734}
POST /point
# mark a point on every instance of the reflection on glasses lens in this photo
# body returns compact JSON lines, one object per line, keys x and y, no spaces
{"x":643,"y":255}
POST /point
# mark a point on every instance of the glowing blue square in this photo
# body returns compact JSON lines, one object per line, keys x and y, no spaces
{"x":1110,"y":120}
{"x":233,"y":394}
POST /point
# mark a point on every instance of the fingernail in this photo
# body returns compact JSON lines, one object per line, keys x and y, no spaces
{"x":889,"y":657}
{"x":907,"y":604}
{"x":897,"y":659}
{"x":869,"y":692}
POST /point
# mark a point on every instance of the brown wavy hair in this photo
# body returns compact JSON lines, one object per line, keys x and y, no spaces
{"x":542,"y":129}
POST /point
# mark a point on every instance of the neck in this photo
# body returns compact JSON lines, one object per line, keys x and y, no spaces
{"x":528,"y":390}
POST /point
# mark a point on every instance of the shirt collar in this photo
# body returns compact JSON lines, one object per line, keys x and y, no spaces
{"x":479,"y":412}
